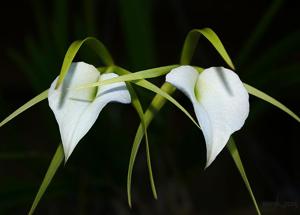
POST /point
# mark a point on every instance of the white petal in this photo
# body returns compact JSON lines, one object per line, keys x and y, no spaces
{"x":184,"y":78}
{"x":221,"y":107}
{"x":77,"y":110}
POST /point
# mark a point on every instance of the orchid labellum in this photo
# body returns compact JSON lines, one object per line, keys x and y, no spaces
{"x":77,"y":110}
{"x":220,"y":101}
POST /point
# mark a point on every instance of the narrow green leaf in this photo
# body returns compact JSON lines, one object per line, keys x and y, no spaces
{"x":24,"y":107}
{"x":55,"y":163}
{"x":191,"y":42}
{"x":259,"y":94}
{"x":141,"y":130}
{"x":148,"y":85}
{"x":149,"y":73}
{"x":137,"y":105}
{"x":157,"y":103}
{"x":231,"y":146}
{"x":94,"y":44}
{"x":157,"y":90}
{"x":143,"y":126}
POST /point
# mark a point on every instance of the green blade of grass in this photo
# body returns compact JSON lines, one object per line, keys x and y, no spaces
{"x":156,"y":104}
{"x":149,"y":73}
{"x":231,"y":146}
{"x":143,"y":125}
{"x":149,"y":86}
{"x":191,"y":42}
{"x":259,"y":94}
{"x":24,"y":107}
{"x":157,"y":90}
{"x":137,"y":105}
{"x":94,"y":44}
{"x":55,"y":163}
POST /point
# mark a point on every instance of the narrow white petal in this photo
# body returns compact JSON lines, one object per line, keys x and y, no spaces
{"x":184,"y":78}
{"x":221,"y":107}
{"x":77,"y":110}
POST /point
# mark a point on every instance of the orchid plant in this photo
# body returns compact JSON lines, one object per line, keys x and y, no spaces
{"x":219,"y":98}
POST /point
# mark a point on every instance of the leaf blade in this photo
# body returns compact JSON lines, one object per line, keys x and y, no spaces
{"x":143,"y":74}
{"x":259,"y":94}
{"x":191,"y":42}
{"x":55,"y":163}
{"x":26,"y":106}
{"x":92,"y":42}
{"x":137,"y":105}
{"x":232,"y":148}
{"x":148,"y":85}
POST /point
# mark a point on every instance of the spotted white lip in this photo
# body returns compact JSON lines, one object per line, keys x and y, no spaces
{"x":220,"y":101}
{"x":77,"y":110}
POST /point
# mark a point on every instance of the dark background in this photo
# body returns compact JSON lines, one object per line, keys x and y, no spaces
{"x":262,"y":37}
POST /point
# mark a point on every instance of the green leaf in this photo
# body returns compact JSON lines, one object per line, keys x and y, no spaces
{"x":24,"y":107}
{"x":138,"y":107}
{"x":55,"y":163}
{"x":231,"y":146}
{"x":149,"y":73}
{"x":155,"y":106}
{"x":191,"y":42}
{"x":259,"y":94}
{"x":149,"y":86}
{"x":94,"y":44}
{"x":143,"y":125}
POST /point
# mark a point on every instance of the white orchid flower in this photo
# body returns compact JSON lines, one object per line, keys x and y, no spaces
{"x":220,"y":101}
{"x":77,"y":110}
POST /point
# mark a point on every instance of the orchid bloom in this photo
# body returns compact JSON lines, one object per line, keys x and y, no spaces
{"x":77,"y":110}
{"x":220,"y":101}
